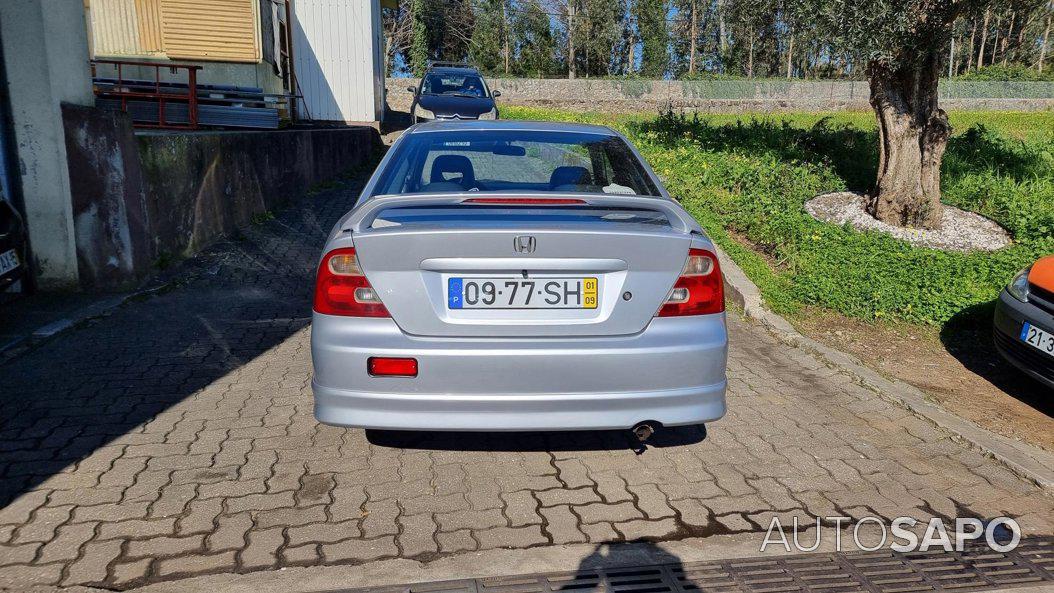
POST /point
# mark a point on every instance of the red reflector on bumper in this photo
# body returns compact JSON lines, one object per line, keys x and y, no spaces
{"x":392,"y":367}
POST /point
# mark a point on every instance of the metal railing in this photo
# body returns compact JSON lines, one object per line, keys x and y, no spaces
{"x":161,"y":91}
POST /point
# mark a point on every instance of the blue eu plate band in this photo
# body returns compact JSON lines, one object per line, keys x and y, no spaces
{"x":454,"y":288}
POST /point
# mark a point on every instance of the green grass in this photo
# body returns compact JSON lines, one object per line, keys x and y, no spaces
{"x":748,"y":177}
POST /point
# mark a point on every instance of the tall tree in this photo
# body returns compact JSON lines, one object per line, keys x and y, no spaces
{"x":600,"y":36}
{"x":420,"y":50}
{"x":569,"y":16}
{"x":693,"y":36}
{"x":533,"y":42}
{"x":629,"y":38}
{"x":397,"y":23}
{"x":755,"y":41}
{"x":488,"y":36}
{"x":902,"y":44}
{"x":686,"y":31}
{"x":650,"y":18}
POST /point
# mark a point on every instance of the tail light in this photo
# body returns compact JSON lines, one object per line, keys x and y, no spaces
{"x":700,"y":289}
{"x":342,"y":289}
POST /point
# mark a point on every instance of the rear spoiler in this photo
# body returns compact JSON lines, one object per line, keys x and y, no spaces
{"x":362,"y":217}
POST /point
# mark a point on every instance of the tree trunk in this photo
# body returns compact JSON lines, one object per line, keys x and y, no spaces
{"x":956,"y":42}
{"x":632,"y":42}
{"x":1006,"y":38}
{"x":750,"y":55}
{"x":790,"y":56}
{"x":984,"y":40}
{"x":1043,"y":46}
{"x":722,"y":40}
{"x":694,"y":39}
{"x":507,"y":34}
{"x":571,"y":39}
{"x":913,"y":132}
{"x":995,"y":41}
{"x":969,"y":50}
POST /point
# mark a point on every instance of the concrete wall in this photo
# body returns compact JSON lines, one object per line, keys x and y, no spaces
{"x":731,"y":95}
{"x":45,"y":52}
{"x":111,"y":225}
{"x":143,"y":196}
{"x":202,"y":185}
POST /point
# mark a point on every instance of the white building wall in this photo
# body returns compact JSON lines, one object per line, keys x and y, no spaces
{"x":338,"y":54}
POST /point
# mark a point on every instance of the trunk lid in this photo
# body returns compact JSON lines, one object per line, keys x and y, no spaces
{"x":412,"y":253}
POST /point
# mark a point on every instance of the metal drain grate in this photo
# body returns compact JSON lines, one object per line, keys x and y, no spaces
{"x":976,"y":568}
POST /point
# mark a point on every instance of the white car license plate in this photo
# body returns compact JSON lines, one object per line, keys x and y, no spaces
{"x":8,"y":261}
{"x":521,"y":293}
{"x":1037,"y":338}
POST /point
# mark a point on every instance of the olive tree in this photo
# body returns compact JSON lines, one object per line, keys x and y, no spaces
{"x":901,"y":44}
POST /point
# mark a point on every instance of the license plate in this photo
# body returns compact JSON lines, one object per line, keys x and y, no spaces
{"x":8,"y":261}
{"x":519,"y":293}
{"x":1037,"y":338}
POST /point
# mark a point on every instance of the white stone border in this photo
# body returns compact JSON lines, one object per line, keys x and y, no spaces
{"x":1027,"y":461}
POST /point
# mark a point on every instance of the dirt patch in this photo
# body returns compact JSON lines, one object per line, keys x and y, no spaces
{"x":957,"y":367}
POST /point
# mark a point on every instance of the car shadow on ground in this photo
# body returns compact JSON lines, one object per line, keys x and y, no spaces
{"x":967,"y":336}
{"x":592,"y":440}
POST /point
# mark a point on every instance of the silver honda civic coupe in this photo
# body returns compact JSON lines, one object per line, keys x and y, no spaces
{"x":501,"y":275}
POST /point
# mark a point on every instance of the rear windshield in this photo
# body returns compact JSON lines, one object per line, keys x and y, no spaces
{"x":460,"y":85}
{"x":514,"y":160}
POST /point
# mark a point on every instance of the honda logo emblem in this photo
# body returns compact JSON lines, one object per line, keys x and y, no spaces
{"x":524,"y":244}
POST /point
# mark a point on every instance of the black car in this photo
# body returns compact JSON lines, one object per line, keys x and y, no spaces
{"x":12,"y":240}
{"x":1024,"y":321}
{"x":452,"y":91}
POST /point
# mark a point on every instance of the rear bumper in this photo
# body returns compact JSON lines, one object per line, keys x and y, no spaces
{"x":673,"y":372}
{"x":1010,"y":315}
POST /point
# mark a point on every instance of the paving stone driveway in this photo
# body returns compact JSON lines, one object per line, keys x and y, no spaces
{"x":176,"y":437}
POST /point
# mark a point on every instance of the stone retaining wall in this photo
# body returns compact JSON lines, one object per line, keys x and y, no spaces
{"x":732,"y":95}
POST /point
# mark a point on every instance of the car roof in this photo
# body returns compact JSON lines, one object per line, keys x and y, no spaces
{"x":504,"y":124}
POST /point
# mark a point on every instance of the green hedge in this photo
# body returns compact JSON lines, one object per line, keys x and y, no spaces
{"x":751,"y":177}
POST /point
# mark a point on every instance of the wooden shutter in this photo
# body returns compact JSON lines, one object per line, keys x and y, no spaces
{"x":222,"y":30}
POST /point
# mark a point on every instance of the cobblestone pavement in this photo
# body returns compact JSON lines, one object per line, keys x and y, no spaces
{"x":175,"y":437}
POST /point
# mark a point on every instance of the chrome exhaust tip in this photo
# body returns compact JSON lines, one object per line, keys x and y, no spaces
{"x":644,"y":430}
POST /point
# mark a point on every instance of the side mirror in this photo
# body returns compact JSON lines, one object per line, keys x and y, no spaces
{"x":496,"y":94}
{"x":412,"y":89}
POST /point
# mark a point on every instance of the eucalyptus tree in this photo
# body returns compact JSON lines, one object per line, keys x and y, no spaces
{"x":533,"y":44}
{"x":490,"y":35}
{"x":652,"y":30}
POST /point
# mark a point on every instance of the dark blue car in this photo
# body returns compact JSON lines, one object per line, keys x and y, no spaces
{"x":453,"y":91}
